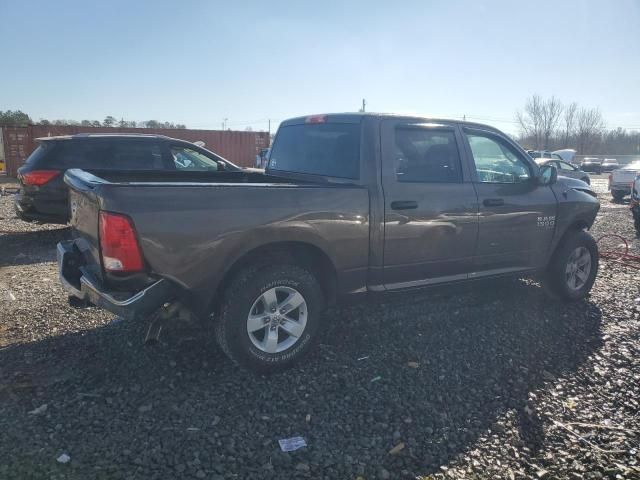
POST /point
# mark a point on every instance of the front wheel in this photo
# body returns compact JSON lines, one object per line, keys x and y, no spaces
{"x":573,"y":267}
{"x":269,"y":317}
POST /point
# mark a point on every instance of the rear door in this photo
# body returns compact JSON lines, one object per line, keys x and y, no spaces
{"x":430,"y":205}
{"x":517,"y":215}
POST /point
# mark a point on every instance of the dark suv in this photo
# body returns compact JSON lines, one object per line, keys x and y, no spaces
{"x":43,"y":194}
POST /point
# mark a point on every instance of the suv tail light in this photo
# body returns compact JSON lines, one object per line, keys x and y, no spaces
{"x":118,"y":244}
{"x":39,"y":177}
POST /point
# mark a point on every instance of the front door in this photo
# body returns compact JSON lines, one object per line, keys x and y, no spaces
{"x":430,"y":216}
{"x":517,"y":215}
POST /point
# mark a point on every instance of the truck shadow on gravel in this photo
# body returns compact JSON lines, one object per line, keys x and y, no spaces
{"x":28,"y":247}
{"x":182,"y":407}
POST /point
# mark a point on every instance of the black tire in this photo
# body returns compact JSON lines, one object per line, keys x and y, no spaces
{"x":244,"y":290}
{"x":555,"y":279}
{"x":617,"y":196}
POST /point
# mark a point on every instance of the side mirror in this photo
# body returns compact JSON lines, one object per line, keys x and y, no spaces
{"x":221,"y":166}
{"x":547,"y":175}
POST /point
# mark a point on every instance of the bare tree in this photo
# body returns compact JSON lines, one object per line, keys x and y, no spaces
{"x":530,"y":119}
{"x":569,"y":120}
{"x":589,"y":128}
{"x":551,"y":111}
{"x":539,"y":120}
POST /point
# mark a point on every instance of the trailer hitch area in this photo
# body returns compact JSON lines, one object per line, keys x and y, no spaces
{"x":168,"y":312}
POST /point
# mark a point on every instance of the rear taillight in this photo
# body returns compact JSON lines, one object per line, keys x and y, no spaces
{"x":38,"y":178}
{"x":118,"y":244}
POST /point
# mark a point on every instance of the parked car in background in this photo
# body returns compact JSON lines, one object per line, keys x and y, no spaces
{"x":535,"y":154}
{"x":43,"y":195}
{"x":350,"y":206}
{"x":565,"y":169}
{"x":620,"y":180}
{"x":566,"y":154}
{"x":610,"y":164}
{"x":544,"y":155}
{"x":591,"y":164}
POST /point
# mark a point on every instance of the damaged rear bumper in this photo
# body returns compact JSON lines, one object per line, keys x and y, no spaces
{"x":80,"y":283}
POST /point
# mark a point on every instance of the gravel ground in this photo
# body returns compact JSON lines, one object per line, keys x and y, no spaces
{"x":492,"y":381}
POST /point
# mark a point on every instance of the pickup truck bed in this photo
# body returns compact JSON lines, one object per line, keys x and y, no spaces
{"x":226,"y":215}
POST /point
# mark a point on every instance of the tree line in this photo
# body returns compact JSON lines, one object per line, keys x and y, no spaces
{"x":18,"y":118}
{"x":549,"y":124}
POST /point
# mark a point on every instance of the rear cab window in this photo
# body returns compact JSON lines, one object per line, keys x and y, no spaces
{"x":330,"y":149}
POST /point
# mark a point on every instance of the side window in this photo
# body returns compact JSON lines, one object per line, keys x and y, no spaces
{"x":566,"y":166}
{"x":496,"y":161}
{"x":188,"y":159}
{"x":109,"y":155}
{"x":73,"y":154}
{"x":135,"y":156}
{"x":426,"y":155}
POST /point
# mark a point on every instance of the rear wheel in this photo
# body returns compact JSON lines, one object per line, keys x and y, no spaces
{"x":269,"y":317}
{"x":617,"y":196}
{"x":573,"y":267}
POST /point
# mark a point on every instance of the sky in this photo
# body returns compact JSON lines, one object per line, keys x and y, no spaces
{"x":200,"y":62}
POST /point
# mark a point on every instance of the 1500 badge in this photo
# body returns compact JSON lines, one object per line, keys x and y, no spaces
{"x":549,"y":221}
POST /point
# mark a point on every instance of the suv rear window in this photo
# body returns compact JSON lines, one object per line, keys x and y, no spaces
{"x":39,"y":153}
{"x":327,"y":149}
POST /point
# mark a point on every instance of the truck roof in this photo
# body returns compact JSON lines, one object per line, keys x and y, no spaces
{"x":356,"y":117}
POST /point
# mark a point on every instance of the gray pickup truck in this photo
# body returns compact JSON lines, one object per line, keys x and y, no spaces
{"x":350,"y":206}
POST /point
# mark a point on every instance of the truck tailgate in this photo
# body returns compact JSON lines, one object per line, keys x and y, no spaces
{"x":623,"y":176}
{"x":84,"y":218}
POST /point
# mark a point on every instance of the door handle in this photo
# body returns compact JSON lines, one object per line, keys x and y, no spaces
{"x":493,"y":202}
{"x":404,"y":205}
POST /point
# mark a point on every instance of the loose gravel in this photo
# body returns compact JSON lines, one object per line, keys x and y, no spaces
{"x":490,"y":380}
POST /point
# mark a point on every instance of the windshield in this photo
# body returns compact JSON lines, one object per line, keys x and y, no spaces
{"x":327,"y":149}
